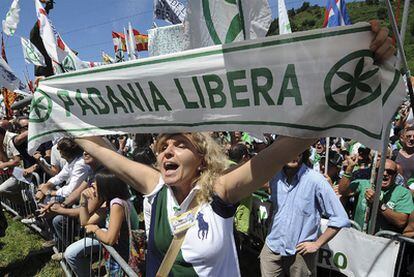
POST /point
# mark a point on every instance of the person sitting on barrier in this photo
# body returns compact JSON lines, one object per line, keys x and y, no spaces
{"x":300,"y":197}
{"x":73,"y":173}
{"x":396,"y":202}
{"x":114,"y":192}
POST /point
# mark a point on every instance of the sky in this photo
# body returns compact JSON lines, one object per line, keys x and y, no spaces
{"x":86,"y":25}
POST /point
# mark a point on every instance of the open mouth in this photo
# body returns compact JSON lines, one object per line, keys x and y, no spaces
{"x":385,"y":179}
{"x":170,"y":166}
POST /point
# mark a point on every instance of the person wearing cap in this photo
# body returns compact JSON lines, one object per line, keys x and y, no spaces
{"x":300,"y":196}
{"x":396,"y":202}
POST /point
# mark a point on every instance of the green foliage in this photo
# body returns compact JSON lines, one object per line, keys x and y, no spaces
{"x":382,"y":13}
{"x":17,"y":243}
{"x":305,"y":6}
{"x":21,"y":253}
{"x":50,"y":269}
{"x":311,"y":17}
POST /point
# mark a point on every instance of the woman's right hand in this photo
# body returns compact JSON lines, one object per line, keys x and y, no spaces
{"x":88,"y":194}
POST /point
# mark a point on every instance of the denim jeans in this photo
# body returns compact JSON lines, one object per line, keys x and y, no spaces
{"x":64,"y":230}
{"x":78,"y":255}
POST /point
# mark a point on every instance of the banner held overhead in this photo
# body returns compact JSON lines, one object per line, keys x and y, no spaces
{"x":294,"y":84}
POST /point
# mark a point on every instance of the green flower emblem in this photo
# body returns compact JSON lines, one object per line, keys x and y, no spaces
{"x":357,"y":83}
{"x":40,"y":108}
{"x":68,"y":63}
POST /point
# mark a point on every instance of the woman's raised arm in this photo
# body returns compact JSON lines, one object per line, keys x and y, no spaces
{"x":141,"y":177}
{"x":241,"y":182}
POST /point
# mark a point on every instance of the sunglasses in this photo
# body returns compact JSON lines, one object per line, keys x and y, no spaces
{"x":390,"y":171}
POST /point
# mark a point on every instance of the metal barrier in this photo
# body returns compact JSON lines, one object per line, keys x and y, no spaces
{"x":355,"y":225}
{"x":124,"y":265}
{"x":405,"y":242}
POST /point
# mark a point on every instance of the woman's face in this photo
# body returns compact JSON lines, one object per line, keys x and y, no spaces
{"x":179,"y":161}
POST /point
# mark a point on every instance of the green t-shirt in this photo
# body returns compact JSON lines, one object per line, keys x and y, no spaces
{"x":397,"y":198}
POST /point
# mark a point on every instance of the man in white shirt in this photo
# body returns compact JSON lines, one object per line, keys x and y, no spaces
{"x":73,"y":173}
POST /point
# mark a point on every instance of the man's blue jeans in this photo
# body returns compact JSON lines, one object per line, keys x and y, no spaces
{"x":78,"y":255}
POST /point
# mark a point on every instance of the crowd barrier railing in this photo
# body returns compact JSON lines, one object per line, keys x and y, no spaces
{"x":405,"y":242}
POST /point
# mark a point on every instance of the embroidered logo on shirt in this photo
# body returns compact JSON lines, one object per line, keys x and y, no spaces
{"x":202,"y":227}
{"x":391,"y":205}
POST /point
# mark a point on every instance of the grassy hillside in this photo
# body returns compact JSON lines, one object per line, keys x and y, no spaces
{"x":310,"y":17}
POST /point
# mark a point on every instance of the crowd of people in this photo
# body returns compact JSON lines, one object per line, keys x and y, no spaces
{"x":187,"y":188}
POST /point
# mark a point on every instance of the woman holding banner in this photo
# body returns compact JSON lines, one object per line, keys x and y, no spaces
{"x":191,"y":199}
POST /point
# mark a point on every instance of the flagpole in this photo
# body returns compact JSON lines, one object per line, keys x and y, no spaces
{"x":372,"y":183}
{"x":380,"y":175}
{"x":404,"y":26}
{"x":403,"y":58}
{"x":327,"y":142}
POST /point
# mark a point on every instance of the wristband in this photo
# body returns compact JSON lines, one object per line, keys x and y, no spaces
{"x":84,"y":204}
{"x":346,"y":175}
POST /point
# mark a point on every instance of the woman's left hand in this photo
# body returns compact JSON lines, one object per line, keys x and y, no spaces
{"x":91,"y":228}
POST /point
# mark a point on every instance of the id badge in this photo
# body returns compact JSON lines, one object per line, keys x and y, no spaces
{"x":183,"y":221}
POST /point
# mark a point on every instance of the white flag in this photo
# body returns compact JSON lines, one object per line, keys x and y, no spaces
{"x":31,"y":53}
{"x":257,"y":18}
{"x":284,"y":25}
{"x":128,"y":45}
{"x":131,"y":42}
{"x":8,"y":79}
{"x":57,"y":49}
{"x":12,"y":19}
{"x":219,"y":22}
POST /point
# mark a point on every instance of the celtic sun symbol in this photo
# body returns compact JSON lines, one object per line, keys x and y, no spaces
{"x":355,"y":82}
{"x":41,"y":107}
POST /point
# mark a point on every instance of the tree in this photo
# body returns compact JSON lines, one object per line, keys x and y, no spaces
{"x":382,"y":13}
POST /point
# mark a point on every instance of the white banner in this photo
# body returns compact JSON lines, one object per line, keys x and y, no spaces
{"x":166,"y":40}
{"x":357,"y":254}
{"x":312,"y":84}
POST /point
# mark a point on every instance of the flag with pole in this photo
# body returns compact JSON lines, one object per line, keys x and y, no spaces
{"x":119,"y":46}
{"x":172,"y":11}
{"x":141,"y":41}
{"x":12,"y":19}
{"x":128,"y":45}
{"x":31,"y":53}
{"x":284,"y":24}
{"x":61,"y":55}
{"x":336,"y":14}
{"x":131,"y":41}
{"x":118,"y":40}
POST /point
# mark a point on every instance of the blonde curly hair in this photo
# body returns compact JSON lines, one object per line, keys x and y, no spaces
{"x":214,"y":161}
